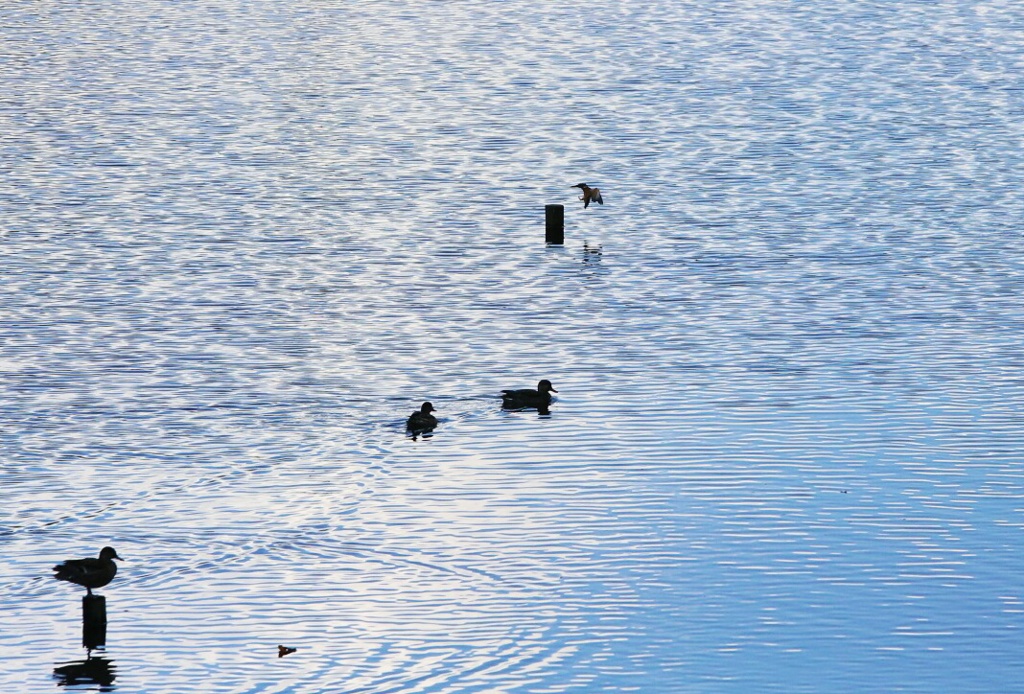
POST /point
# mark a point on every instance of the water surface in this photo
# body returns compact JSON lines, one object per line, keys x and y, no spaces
{"x":242,"y":243}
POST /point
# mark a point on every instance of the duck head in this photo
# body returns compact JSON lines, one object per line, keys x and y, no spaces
{"x":545,"y":386}
{"x":109,"y":553}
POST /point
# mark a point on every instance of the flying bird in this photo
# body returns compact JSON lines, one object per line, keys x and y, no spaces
{"x":589,"y":195}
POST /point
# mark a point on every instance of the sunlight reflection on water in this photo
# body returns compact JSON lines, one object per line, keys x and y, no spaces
{"x":243,"y":243}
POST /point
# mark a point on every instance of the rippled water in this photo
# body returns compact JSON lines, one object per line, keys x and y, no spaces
{"x":243,"y":241}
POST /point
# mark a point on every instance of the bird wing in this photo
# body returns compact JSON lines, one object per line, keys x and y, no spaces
{"x":78,"y":569}
{"x":597,"y":196}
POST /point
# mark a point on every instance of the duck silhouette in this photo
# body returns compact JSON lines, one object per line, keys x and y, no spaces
{"x":589,"y":195}
{"x":89,"y":573}
{"x":528,"y":397}
{"x":421,"y":420}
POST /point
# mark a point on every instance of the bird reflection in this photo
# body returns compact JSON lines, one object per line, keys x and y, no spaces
{"x":591,"y":253}
{"x":91,"y":671}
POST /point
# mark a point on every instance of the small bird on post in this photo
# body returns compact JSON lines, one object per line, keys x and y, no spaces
{"x":89,"y":573}
{"x":589,"y":195}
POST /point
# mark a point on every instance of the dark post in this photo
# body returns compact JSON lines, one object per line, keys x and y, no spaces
{"x":554,"y":224}
{"x":94,"y":621}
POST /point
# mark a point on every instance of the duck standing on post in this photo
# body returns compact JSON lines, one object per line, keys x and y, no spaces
{"x":528,"y":397}
{"x":89,"y":573}
{"x":421,"y":420}
{"x":589,"y":195}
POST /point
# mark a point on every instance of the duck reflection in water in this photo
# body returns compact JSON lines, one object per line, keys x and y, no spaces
{"x":421,"y":422}
{"x":91,"y":671}
{"x":528,"y":398}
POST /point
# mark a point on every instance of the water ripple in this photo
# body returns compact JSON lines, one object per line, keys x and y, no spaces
{"x":243,"y":242}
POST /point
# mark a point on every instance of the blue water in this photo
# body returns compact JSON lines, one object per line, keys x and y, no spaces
{"x":242,"y":242}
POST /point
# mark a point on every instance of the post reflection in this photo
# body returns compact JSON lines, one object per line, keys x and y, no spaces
{"x":94,"y":670}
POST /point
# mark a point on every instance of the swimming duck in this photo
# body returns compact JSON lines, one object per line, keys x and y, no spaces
{"x":527,"y":397}
{"x":89,"y":573}
{"x":589,"y":195}
{"x":422,"y":420}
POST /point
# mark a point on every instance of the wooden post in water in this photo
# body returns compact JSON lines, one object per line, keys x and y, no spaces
{"x":554,"y":224}
{"x":94,"y":621}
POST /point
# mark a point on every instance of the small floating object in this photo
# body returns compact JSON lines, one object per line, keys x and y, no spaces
{"x":528,"y":397}
{"x":282,"y":651}
{"x":589,"y":195}
{"x":89,"y":573}
{"x":421,"y":420}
